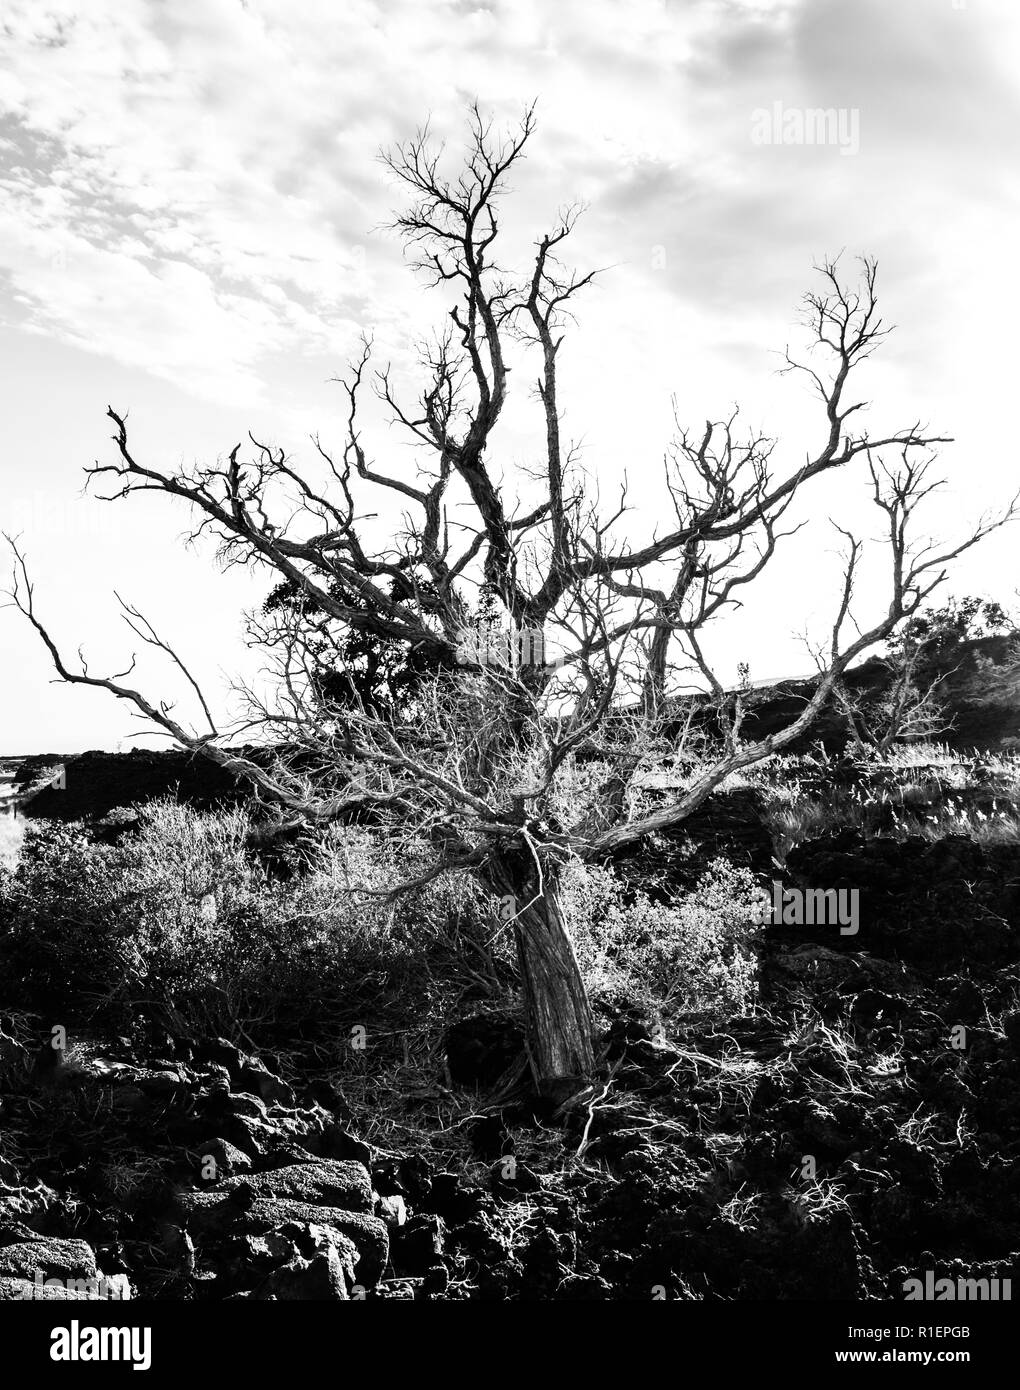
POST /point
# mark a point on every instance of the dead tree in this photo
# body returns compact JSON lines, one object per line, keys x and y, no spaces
{"x":487,"y":769}
{"x":906,"y":711}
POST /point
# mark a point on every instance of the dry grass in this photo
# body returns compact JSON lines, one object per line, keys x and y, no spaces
{"x":926,"y":790}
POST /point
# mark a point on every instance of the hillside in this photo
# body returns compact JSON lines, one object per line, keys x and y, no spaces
{"x":98,"y":782}
{"x":982,"y":718}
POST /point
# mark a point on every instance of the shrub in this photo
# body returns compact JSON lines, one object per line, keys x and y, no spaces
{"x":65,"y":927}
{"x":179,"y":911}
{"x":182,"y":913}
{"x":696,"y":954}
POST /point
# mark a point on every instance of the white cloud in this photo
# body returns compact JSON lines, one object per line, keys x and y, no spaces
{"x":190,"y":191}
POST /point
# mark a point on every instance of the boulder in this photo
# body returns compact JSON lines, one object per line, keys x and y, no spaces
{"x":328,"y":1182}
{"x":221,"y":1052}
{"x":321,"y":1277}
{"x":256,"y":1078}
{"x":418,"y":1245}
{"x":56,"y":1259}
{"x":211,"y":1214}
{"x":393,"y":1211}
{"x":479,"y":1050}
{"x":229,"y":1159}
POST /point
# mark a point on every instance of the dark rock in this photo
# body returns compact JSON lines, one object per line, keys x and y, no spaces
{"x":249,"y":1254}
{"x":436,"y":1281}
{"x":56,"y":1259}
{"x":410,"y":1178}
{"x":218,"y":1078}
{"x":210,"y":1213}
{"x":510,"y":1179}
{"x":160,"y":1085}
{"x":321,"y":1277}
{"x":324,"y":1182}
{"x":334,"y":1141}
{"x":393,"y":1211}
{"x":247,"y":1106}
{"x":229,"y":1159}
{"x":220,"y":1051}
{"x":262,"y":1137}
{"x":823,"y":966}
{"x":256,"y":1078}
{"x":480,"y":1049}
{"x":414,"y":1247}
{"x":286,"y":1156}
{"x":931,"y":904}
{"x":179,"y":1246}
{"x":13,"y":1232}
{"x":329,"y":1096}
{"x":451,"y":1200}
{"x":116,"y":1286}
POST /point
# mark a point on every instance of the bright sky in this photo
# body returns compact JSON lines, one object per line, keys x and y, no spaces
{"x":192,"y":229}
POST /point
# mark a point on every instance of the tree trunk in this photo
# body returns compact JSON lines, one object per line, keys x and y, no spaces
{"x":654,"y":685}
{"x":560,"y":1027}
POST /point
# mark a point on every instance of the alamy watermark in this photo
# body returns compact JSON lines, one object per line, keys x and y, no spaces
{"x":508,"y":648}
{"x":799,"y":125}
{"x":77,"y":1343}
{"x":959,"y":1290}
{"x":815,"y":907}
{"x":101,"y":1288}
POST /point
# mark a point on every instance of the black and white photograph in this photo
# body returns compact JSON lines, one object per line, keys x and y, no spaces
{"x":509,"y":678}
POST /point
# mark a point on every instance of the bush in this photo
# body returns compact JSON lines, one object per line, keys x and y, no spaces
{"x":180,"y":912}
{"x":697,"y":954}
{"x":62,"y":928}
{"x":183,"y":913}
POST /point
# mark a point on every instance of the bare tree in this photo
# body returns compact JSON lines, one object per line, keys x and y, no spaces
{"x":909,"y":705}
{"x":905,"y":711}
{"x":510,"y":767}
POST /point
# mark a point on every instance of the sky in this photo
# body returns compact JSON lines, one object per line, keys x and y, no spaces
{"x":194,"y":230}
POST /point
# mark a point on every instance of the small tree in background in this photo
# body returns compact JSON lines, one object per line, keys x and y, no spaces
{"x":912,"y":706}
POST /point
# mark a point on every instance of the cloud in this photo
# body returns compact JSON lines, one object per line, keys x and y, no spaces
{"x":238,"y":140}
{"x":190,"y":191}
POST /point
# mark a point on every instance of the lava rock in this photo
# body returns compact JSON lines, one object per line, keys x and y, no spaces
{"x":220,"y":1051}
{"x":480,"y":1049}
{"x":115,"y":1286}
{"x":392,"y":1211}
{"x":510,"y":1179}
{"x":414,"y":1247}
{"x":322,"y":1182}
{"x":451,"y":1200}
{"x":212,"y":1214}
{"x":55,"y":1259}
{"x":256,"y":1078}
{"x":334,"y":1141}
{"x":329,"y":1096}
{"x":229,"y":1159}
{"x":321,"y":1277}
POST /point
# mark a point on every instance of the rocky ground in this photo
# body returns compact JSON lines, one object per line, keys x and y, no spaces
{"x":860,"y":1128}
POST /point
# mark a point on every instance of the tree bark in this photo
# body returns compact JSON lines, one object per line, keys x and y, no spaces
{"x":560,"y":1027}
{"x":654,"y":691}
